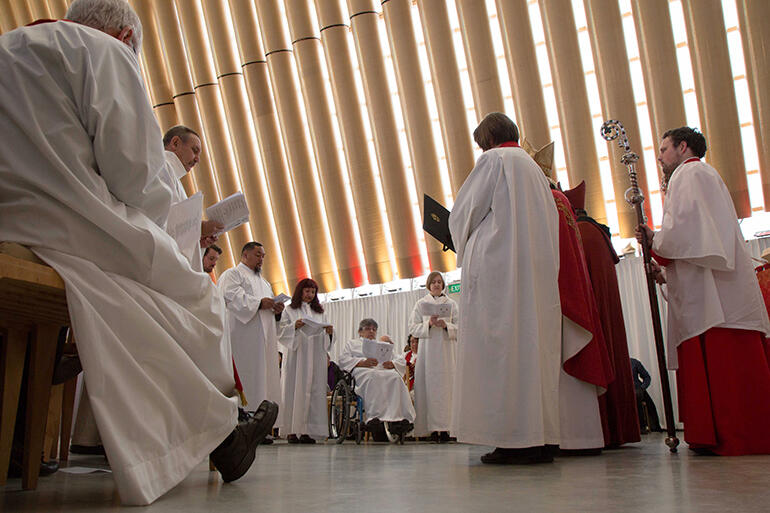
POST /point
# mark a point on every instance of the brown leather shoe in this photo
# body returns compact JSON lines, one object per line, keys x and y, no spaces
{"x":236,"y":453}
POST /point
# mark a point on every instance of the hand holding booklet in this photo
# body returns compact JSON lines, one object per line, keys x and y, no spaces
{"x":381,"y":351}
{"x":312,"y":327}
{"x":437,"y":309}
{"x":231,"y":211}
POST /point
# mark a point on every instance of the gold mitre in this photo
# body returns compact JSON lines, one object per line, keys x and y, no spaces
{"x":543,"y":157}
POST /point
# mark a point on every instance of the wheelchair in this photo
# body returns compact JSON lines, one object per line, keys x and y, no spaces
{"x":346,"y":414}
{"x":346,"y":410}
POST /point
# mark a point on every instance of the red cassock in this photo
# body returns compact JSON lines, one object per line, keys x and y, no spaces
{"x":723,"y":392}
{"x":620,"y":420}
{"x":592,"y":363}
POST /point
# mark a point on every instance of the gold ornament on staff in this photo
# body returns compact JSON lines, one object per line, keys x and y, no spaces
{"x":612,"y":130}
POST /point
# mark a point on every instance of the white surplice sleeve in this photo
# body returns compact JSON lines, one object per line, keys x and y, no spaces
{"x":347,"y":359}
{"x":113,"y":106}
{"x":287,"y":334}
{"x":474,"y":201}
{"x":698,"y":219}
{"x":238,"y":297}
{"x":419,"y":324}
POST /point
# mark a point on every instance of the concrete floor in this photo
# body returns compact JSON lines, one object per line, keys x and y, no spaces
{"x":423,"y":477}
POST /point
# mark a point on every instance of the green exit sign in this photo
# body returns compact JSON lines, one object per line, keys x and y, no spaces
{"x":454,"y":287}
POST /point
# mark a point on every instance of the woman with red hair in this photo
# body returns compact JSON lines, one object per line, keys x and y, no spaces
{"x":306,"y":337}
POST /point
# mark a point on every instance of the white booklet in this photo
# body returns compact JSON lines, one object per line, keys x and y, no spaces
{"x":231,"y":211}
{"x":437,"y":309}
{"x":184,"y":224}
{"x":312,"y":327}
{"x":281,"y":298}
{"x":381,"y":351}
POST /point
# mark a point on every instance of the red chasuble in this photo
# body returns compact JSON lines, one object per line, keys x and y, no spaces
{"x":592,"y":363}
{"x":620,"y":420}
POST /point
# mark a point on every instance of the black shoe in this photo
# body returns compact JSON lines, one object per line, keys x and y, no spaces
{"x":243,"y":415}
{"x":443,"y":437}
{"x":292,"y":439}
{"x":400,"y":426}
{"x":93,"y":450}
{"x":268,"y":440}
{"x":434,"y":437}
{"x":580,"y":452}
{"x":66,"y":369}
{"x":236,"y":453}
{"x":527,"y":456}
{"x":306,"y":439}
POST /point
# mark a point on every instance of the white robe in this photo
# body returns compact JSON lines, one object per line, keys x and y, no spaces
{"x":253,"y":333}
{"x":171,"y":176}
{"x":86,"y":431}
{"x":505,"y":228}
{"x":711,"y":280}
{"x":435,"y":368}
{"x":385,"y":395}
{"x":580,"y":423}
{"x":304,"y":375}
{"x":79,"y":185}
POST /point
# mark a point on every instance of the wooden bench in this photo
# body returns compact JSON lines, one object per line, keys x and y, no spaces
{"x":33,"y":308}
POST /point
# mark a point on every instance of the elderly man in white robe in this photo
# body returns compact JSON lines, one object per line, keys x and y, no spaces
{"x":79,"y":185}
{"x":183,"y":149}
{"x":505,"y":228}
{"x":306,"y":337}
{"x":386,"y":397}
{"x":435,"y":368}
{"x":253,"y":315}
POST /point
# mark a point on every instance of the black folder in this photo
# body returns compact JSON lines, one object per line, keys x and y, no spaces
{"x":436,"y":222}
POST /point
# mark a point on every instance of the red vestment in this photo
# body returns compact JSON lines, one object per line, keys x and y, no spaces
{"x":592,"y":363}
{"x":723,"y":382}
{"x":723,"y":393}
{"x":620,"y":420}
{"x":410,"y":357}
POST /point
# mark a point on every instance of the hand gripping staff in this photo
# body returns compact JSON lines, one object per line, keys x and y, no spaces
{"x":611,"y":130}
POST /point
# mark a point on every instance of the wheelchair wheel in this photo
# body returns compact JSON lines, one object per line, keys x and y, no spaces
{"x":339,"y":412}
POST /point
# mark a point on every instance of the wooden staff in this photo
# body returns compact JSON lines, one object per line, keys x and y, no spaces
{"x":611,"y":130}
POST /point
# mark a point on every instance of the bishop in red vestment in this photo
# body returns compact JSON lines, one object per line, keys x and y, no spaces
{"x":620,"y":421}
{"x":587,"y":370}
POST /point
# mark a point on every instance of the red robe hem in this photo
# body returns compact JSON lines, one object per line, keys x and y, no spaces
{"x":723,"y":383}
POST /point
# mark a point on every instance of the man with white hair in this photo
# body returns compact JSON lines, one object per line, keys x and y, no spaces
{"x":80,"y":185}
{"x":386,"y":397}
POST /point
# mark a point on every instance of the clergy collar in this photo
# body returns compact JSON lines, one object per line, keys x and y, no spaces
{"x":691,"y":159}
{"x":509,"y":144}
{"x":176,"y":165}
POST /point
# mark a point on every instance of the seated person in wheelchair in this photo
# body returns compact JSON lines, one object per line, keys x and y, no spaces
{"x":381,"y":386}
